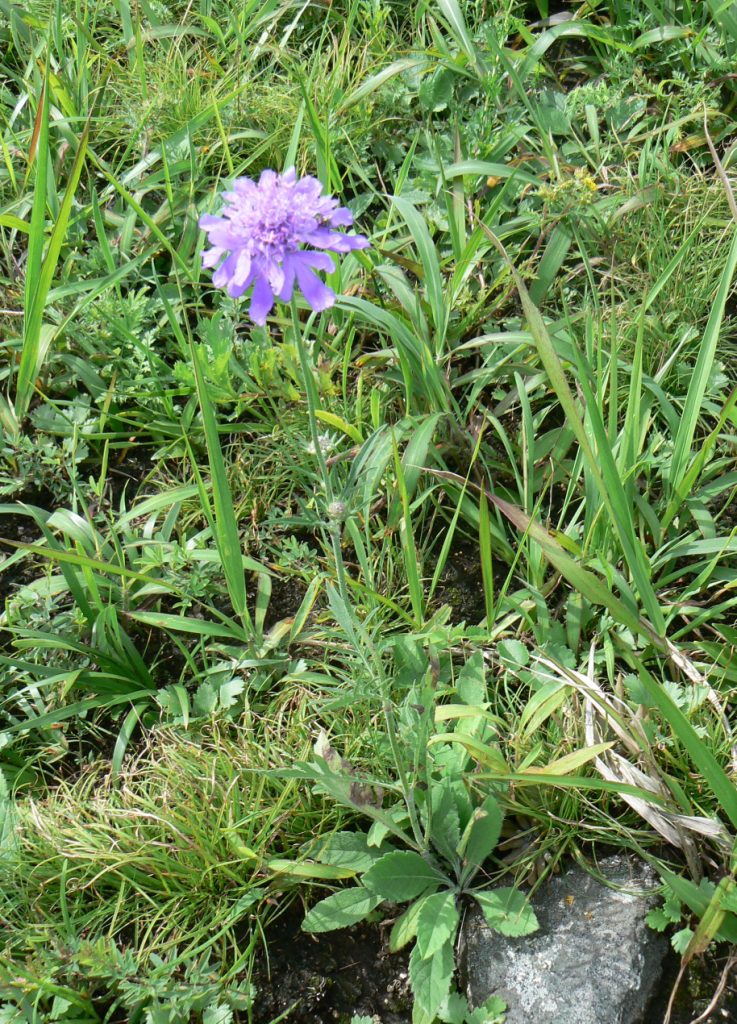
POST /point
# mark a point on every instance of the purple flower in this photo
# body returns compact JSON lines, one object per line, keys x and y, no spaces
{"x":261,"y":235}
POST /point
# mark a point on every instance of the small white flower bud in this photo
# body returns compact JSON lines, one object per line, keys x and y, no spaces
{"x":337,"y":511}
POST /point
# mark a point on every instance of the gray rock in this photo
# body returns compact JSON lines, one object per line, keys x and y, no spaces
{"x":593,"y":961}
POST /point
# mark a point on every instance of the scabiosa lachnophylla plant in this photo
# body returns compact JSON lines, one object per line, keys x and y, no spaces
{"x":274,"y":235}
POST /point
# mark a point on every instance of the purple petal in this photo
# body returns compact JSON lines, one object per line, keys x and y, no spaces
{"x":341,"y":218}
{"x":225,"y":236}
{"x":210,"y":257}
{"x":242,"y":270}
{"x":221,"y":277}
{"x":285,"y":294}
{"x":317,"y":260}
{"x":274,"y":274}
{"x":245,"y":187}
{"x":262,"y":301}
{"x":324,"y":238}
{"x":318,"y":295}
{"x":208,"y":221}
{"x":310,"y":187}
{"x":237,"y":288}
{"x":268,"y":179}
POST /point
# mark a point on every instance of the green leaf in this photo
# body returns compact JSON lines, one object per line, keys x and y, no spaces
{"x":484,"y":832}
{"x":490,"y":1012}
{"x":471,"y":682}
{"x":514,"y":652}
{"x":454,"y":1010}
{"x":401,"y":876}
{"x":662,"y":34}
{"x":374,"y":82}
{"x":455,"y":21}
{"x":344,"y":908}
{"x":404,"y":928}
{"x":430,"y":979}
{"x":306,"y":869}
{"x":225,"y":524}
{"x":658,"y":920}
{"x":226,"y":533}
{"x":445,"y":831}
{"x":437,"y":923}
{"x":37,"y":337}
{"x":217,"y":1013}
{"x":436,"y":91}
{"x":7,"y":819}
{"x":713,"y":773}
{"x":205,"y":699}
{"x":350,"y":850}
{"x":59,"y":1008}
{"x":507,"y":911}
{"x":433,"y":278}
{"x":583,"y":580}
{"x":598,"y":457}
{"x":680,"y":940}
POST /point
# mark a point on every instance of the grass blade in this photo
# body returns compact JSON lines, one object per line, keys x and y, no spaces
{"x":37,"y":337}
{"x":701,"y":375}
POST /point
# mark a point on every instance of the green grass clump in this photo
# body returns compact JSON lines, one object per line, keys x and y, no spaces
{"x":159,"y":863}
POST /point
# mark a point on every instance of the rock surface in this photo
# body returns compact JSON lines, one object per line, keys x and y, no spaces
{"x":593,"y":961}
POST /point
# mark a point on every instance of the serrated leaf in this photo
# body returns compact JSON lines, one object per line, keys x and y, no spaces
{"x":401,"y":875}
{"x":157,"y":1014}
{"x":514,"y":652}
{"x":445,"y":832}
{"x":344,"y":908}
{"x":219,"y":1013}
{"x":430,"y":979}
{"x":229,"y":692}
{"x":7,"y":819}
{"x":436,"y":91}
{"x":404,"y":928}
{"x":205,"y":699}
{"x":59,"y":1008}
{"x":437,"y":923}
{"x":490,"y":1012}
{"x":471,"y":682}
{"x":680,"y":940}
{"x":657,"y":920}
{"x":454,"y":1010}
{"x":349,"y":850}
{"x":507,"y":911}
{"x":484,"y":832}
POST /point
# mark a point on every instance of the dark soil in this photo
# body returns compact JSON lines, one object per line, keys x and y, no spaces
{"x":23,"y":530}
{"x":287,"y":593}
{"x":461,"y":585}
{"x":326,"y":979}
{"x":330,"y":977}
{"x":697,"y":990}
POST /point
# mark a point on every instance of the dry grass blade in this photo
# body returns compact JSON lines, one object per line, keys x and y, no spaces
{"x":607,"y":713}
{"x":704,"y":1017}
{"x":720,"y":168}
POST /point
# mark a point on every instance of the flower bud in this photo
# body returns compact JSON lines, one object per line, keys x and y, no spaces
{"x":337,"y":511}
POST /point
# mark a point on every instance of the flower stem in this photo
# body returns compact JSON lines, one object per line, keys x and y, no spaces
{"x":334,"y":529}
{"x":333,"y":525}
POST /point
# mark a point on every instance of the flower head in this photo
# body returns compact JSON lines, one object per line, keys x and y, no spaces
{"x":326,"y":441}
{"x":274,"y":235}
